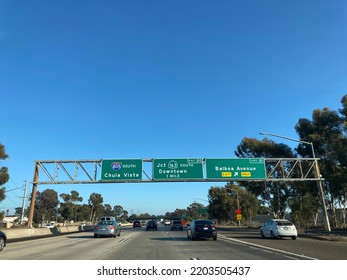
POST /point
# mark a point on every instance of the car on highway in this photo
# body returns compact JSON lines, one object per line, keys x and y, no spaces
{"x":176,"y":224}
{"x":136,"y":224}
{"x":151,"y":225}
{"x":278,"y":228}
{"x":107,"y":228}
{"x":3,"y":240}
{"x":201,"y":229}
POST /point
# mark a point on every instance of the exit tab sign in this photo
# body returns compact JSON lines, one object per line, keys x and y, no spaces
{"x":235,"y":169}
{"x":177,"y":169}
{"x":121,"y":169}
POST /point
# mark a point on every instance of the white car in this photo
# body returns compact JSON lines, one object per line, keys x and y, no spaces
{"x":278,"y":228}
{"x":49,"y":225}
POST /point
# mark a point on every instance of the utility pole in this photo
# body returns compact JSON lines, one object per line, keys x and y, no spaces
{"x":23,"y":204}
{"x":237,"y":200}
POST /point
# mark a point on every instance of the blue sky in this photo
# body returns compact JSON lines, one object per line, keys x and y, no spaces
{"x":159,"y":79}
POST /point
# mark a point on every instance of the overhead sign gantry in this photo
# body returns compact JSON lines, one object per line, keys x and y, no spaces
{"x":174,"y":170}
{"x":171,"y":170}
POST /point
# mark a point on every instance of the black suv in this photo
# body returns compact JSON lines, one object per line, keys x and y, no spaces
{"x":177,"y":224}
{"x":202,"y":229}
{"x":151,"y":225}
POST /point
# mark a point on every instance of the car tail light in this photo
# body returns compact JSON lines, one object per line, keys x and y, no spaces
{"x":96,"y":227}
{"x":111,"y":227}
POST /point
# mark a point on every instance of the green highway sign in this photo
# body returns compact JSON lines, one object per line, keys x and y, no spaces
{"x":121,"y":169}
{"x":177,"y":169}
{"x":202,"y":210}
{"x":235,"y":169}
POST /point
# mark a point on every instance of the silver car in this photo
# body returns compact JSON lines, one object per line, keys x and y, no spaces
{"x":107,"y":228}
{"x":278,"y":228}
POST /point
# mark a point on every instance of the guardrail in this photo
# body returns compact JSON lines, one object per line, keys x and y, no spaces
{"x":20,"y":233}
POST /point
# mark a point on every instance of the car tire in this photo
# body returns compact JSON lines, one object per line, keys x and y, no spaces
{"x":215,"y":237}
{"x":293,"y":237}
{"x":262,"y":234}
{"x":272,"y":235}
{"x":119,"y":233}
{"x":95,"y":236}
{"x":2,"y":243}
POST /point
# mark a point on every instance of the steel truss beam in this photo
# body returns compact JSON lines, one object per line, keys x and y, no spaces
{"x":87,"y":171}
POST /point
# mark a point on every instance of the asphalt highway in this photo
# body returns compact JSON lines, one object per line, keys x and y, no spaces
{"x":164,"y":244}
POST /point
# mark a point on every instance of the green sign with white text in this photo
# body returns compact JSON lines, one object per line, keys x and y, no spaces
{"x":177,"y":169}
{"x":235,"y":169}
{"x":121,"y":169}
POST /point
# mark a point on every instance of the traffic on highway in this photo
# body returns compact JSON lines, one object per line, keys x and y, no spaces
{"x":165,"y":243}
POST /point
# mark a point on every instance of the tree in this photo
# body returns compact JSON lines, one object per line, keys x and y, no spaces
{"x":327,"y":132}
{"x":118,"y":211}
{"x":124,"y":215}
{"x":46,"y":206}
{"x":95,"y":201}
{"x":247,"y":201}
{"x":4,"y":176}
{"x":273,"y":194}
{"x":108,"y":211}
{"x":220,"y":204}
{"x":133,"y":217}
{"x":343,"y":159}
{"x":181,"y":213}
{"x":197,"y":211}
{"x":68,"y":209}
{"x":83,"y":212}
{"x":304,"y":209}
{"x":224,"y":201}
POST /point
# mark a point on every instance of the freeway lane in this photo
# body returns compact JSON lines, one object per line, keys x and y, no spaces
{"x":174,"y":245}
{"x":318,"y":249}
{"x":139,"y":244}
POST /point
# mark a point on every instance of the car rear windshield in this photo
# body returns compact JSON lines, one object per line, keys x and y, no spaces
{"x":284,"y":223}
{"x":105,"y":223}
{"x":204,"y":222}
{"x":107,"y":218}
{"x":176,"y":222}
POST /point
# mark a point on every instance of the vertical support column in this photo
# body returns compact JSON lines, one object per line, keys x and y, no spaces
{"x":33,"y":195}
{"x":238,"y":204}
{"x":23,"y":204}
{"x":321,"y":191}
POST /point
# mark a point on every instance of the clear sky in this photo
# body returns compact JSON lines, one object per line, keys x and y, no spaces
{"x":160,"y":79}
